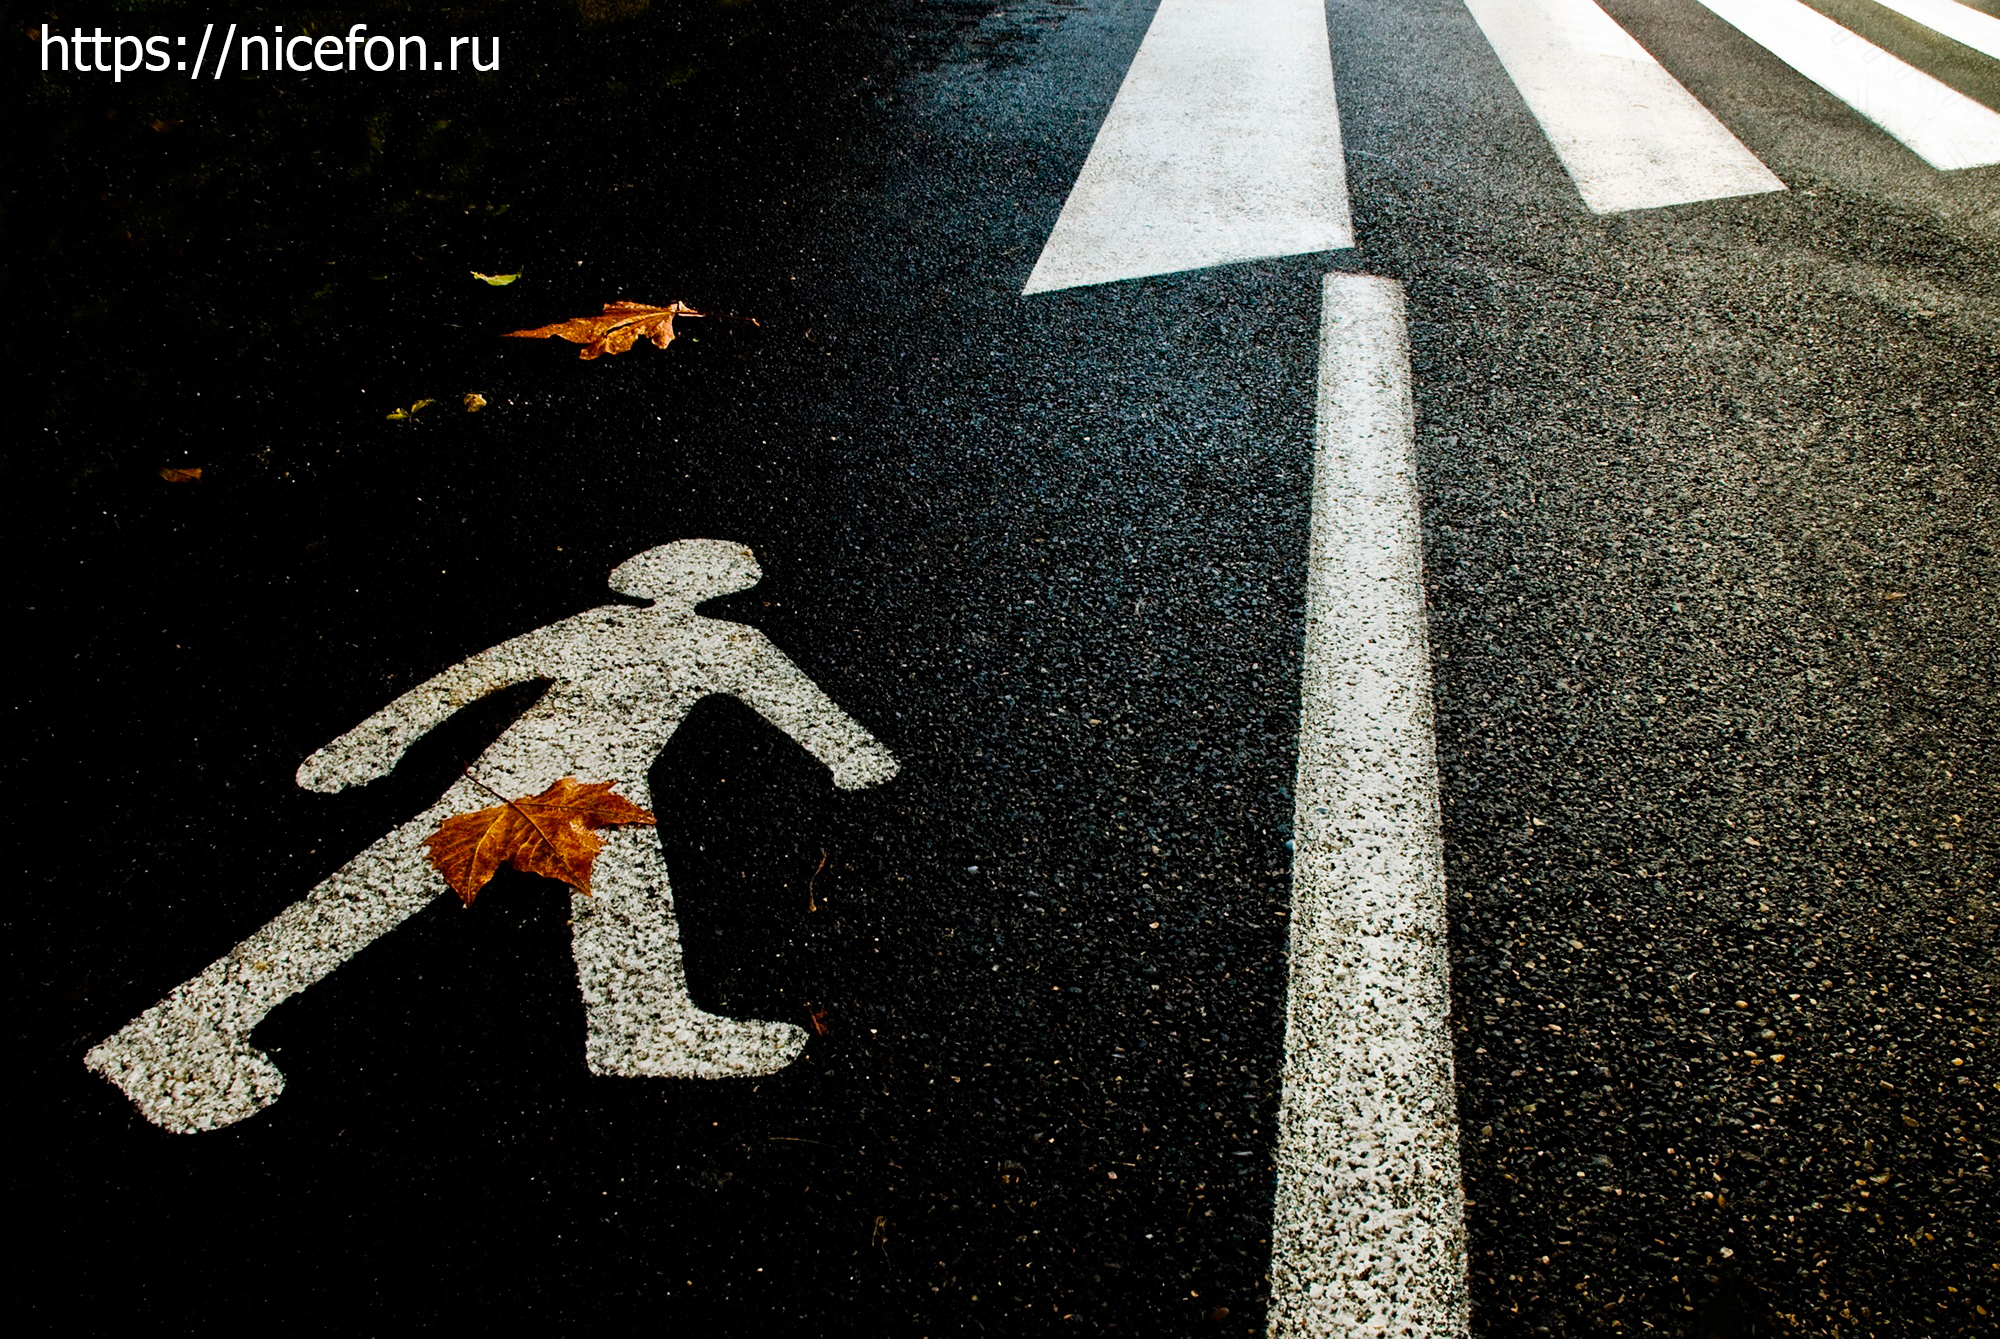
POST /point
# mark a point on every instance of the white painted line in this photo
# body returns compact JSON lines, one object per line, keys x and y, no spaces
{"x":1630,"y":136}
{"x":1933,"y":120}
{"x":1368,"y":1235}
{"x":1961,"y":23}
{"x":623,"y":677}
{"x":1223,"y":145}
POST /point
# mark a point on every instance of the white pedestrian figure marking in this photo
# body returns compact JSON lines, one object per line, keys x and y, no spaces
{"x":623,"y":679}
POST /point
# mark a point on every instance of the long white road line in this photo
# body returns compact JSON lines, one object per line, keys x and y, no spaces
{"x":1630,"y":136}
{"x":1368,"y":1237}
{"x":1222,"y":145}
{"x":1961,"y":23}
{"x":1933,"y":120}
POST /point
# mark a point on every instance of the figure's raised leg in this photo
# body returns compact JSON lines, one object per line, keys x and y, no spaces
{"x":187,"y":1062}
{"x":641,"y":1021}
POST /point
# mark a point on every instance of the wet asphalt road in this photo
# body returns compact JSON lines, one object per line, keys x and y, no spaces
{"x":1708,"y":515}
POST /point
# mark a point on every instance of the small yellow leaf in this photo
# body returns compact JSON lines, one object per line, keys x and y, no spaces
{"x":497,"y":280}
{"x":180,"y":476}
{"x":474,"y":402}
{"x":406,"y":415}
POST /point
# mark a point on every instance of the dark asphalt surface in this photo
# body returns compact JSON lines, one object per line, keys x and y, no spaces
{"x":1709,"y":498}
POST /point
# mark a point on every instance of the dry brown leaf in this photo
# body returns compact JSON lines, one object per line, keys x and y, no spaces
{"x":621,"y":326}
{"x":474,"y":402}
{"x":174,"y":475}
{"x":550,"y":834}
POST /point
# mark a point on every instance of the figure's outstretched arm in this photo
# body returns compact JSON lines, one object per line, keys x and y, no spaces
{"x":372,"y":749}
{"x":765,"y":679}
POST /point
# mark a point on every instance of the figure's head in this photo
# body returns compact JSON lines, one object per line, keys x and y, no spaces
{"x":687,"y":572}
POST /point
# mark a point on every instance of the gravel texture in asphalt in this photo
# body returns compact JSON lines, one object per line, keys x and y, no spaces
{"x":1708,"y":503}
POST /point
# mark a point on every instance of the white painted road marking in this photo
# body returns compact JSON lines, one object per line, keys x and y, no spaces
{"x":1368,"y":1235}
{"x":1629,"y":135}
{"x":1222,"y":145}
{"x":1933,"y":120}
{"x":624,"y":677}
{"x":1961,"y":23}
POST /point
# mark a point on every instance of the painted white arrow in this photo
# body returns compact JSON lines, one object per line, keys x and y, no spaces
{"x":1222,"y":145}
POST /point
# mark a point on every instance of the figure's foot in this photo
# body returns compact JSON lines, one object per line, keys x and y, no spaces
{"x":691,"y":1044}
{"x":184,"y":1074}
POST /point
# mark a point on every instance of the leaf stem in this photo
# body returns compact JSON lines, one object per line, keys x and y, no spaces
{"x":810,"y":904}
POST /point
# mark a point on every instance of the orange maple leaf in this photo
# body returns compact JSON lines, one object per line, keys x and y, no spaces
{"x":617,"y":330}
{"x":551,"y":834}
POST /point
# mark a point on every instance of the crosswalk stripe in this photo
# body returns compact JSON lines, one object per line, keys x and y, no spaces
{"x":1367,"y":1234}
{"x":1630,"y":136}
{"x":1961,"y":23}
{"x":1222,"y":145}
{"x":1933,"y":120}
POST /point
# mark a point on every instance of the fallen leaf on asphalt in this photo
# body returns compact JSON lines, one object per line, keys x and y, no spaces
{"x":474,"y":402}
{"x":621,"y":326}
{"x":175,"y":475}
{"x":406,"y":415}
{"x":551,"y":834}
{"x":497,"y":280}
